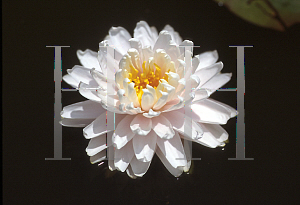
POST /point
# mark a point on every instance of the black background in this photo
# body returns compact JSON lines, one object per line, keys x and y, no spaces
{"x":271,"y":118}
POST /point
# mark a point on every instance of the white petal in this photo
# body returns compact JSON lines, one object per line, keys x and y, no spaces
{"x":132,"y":95}
{"x":82,"y":74}
{"x":175,"y":36}
{"x":136,"y":44}
{"x":135,"y":58}
{"x":84,"y":110}
{"x":123,"y":133}
{"x":163,"y":40}
{"x":195,"y":64}
{"x":170,"y":90}
{"x":193,"y":81}
{"x":162,"y":59}
{"x":154,"y":32}
{"x":205,"y":74}
{"x":110,"y":153}
{"x":161,"y":101}
{"x":71,"y":81}
{"x":174,"y":104}
{"x":123,"y":99}
{"x":75,"y":122}
{"x":139,"y":168}
{"x":147,"y":100}
{"x":98,"y":126}
{"x":147,"y":53}
{"x":132,"y":110}
{"x":162,"y":127}
{"x":188,"y":153}
{"x":151,"y":114}
{"x":143,"y":32}
{"x":96,"y":145}
{"x":217,"y":82}
{"x":106,"y":58}
{"x":211,"y":111}
{"x":141,"y":125}
{"x":88,"y":59}
{"x":173,"y":79}
{"x":130,"y":172}
{"x":184,"y":44}
{"x":213,"y":136}
{"x":181,"y":121}
{"x":206,"y":59}
{"x":144,"y":146}
{"x":200,"y":94}
{"x":123,"y":156}
{"x":180,"y":68}
{"x":98,"y":157}
{"x":174,"y":171}
{"x":217,"y":131}
{"x":173,"y":150}
{"x":119,"y":38}
{"x":88,"y":92}
{"x":104,"y":83}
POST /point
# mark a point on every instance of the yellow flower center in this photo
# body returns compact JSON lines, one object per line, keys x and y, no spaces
{"x":149,"y":76}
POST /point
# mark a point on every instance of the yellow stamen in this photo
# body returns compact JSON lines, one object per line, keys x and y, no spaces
{"x":148,"y":77}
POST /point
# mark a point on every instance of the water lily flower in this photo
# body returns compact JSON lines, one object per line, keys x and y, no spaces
{"x":149,"y":97}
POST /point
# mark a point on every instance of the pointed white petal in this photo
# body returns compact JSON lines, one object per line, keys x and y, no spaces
{"x":205,"y":74}
{"x":144,"y":146}
{"x":119,"y":38}
{"x":144,"y":33}
{"x":217,"y":131}
{"x":75,"y":122}
{"x":96,"y":145}
{"x":98,"y":157}
{"x":211,"y":111}
{"x":130,"y":172}
{"x":139,"y":168}
{"x":217,"y":82}
{"x":123,"y":133}
{"x":71,"y":81}
{"x":163,"y":40}
{"x":173,"y":150}
{"x":98,"y":126}
{"x":213,"y":136}
{"x":174,"y":171}
{"x":82,"y":74}
{"x":84,"y":110}
{"x":88,"y":59}
{"x":175,"y":36}
{"x":123,"y":156}
{"x":206,"y":59}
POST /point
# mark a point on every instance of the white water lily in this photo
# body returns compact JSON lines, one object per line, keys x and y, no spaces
{"x":148,"y":98}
